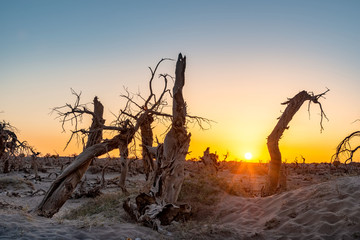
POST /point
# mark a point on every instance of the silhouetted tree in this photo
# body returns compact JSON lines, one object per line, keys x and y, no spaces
{"x":292,"y":106}
{"x":346,"y":149}
{"x":10,"y":145}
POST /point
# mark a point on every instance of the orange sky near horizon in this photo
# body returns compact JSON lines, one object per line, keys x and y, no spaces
{"x":243,"y":60}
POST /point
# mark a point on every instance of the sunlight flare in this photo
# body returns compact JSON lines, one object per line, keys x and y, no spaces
{"x":248,"y":156}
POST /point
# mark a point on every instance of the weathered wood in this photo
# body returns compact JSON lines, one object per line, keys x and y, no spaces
{"x":171,"y":154}
{"x":293,"y":105}
{"x":147,"y":211}
{"x":35,"y":166}
{"x":159,"y":206}
{"x":62,"y":188}
{"x":95,"y":135}
{"x":124,"y":161}
{"x":147,"y":141}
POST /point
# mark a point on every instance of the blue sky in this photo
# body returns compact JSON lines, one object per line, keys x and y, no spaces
{"x":244,"y":58}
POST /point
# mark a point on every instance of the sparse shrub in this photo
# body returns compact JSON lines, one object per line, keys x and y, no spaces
{"x":199,"y":188}
{"x":204,"y":191}
{"x":336,"y":163}
{"x":107,"y":204}
{"x":94,"y":169}
{"x":14,"y":183}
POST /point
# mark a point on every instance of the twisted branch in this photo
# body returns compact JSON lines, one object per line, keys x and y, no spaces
{"x":344,"y":148}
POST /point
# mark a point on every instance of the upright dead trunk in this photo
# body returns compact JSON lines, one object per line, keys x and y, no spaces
{"x":293,"y":105}
{"x":62,"y":188}
{"x":147,"y":141}
{"x":95,"y":135}
{"x":35,"y":166}
{"x":127,"y":137}
{"x":159,"y":205}
{"x":171,"y":155}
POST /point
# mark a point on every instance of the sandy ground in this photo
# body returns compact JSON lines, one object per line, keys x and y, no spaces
{"x":319,"y":204}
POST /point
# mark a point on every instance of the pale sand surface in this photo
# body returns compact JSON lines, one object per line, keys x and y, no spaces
{"x":319,"y":206}
{"x":329,"y":210}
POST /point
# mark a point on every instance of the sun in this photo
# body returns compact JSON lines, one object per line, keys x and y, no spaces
{"x":248,"y":155}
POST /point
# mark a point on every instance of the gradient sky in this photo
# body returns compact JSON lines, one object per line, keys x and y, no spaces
{"x":243,"y":59}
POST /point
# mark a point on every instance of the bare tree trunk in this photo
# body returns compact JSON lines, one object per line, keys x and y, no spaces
{"x":159,"y":207}
{"x":95,"y":135}
{"x":147,"y":141}
{"x":293,"y":105}
{"x":62,"y":188}
{"x":171,"y":155}
{"x":35,"y":166}
{"x":124,"y":161}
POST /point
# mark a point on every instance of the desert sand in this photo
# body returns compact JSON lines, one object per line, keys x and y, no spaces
{"x":320,"y":202}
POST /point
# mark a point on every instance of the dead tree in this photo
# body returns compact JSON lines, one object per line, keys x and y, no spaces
{"x":10,"y":145}
{"x":171,"y":154}
{"x":62,"y":188}
{"x":210,"y":160}
{"x":147,"y":109}
{"x":158,"y":207}
{"x":293,"y":105}
{"x":96,"y":128}
{"x":126,"y":124}
{"x":74,"y":113}
{"x":147,"y":141}
{"x":345,"y":148}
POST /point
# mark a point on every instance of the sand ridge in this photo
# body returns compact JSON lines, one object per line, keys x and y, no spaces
{"x":329,"y":210}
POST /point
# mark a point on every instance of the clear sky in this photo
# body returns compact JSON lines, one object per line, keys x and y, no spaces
{"x":243,"y":59}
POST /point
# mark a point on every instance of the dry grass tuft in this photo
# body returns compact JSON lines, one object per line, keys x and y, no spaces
{"x":15,"y":183}
{"x":204,"y":191}
{"x":107,"y":205}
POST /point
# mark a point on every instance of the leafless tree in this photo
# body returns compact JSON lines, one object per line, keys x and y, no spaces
{"x":345,"y":148}
{"x":127,"y":123}
{"x":11,"y":146}
{"x":292,"y":106}
{"x":158,"y":206}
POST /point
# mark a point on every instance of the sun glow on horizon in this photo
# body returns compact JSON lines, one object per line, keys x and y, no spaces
{"x":248,"y":156}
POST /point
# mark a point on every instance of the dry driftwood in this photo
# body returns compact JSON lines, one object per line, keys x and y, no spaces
{"x":158,"y":207}
{"x":148,"y":211}
{"x":293,"y":105}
